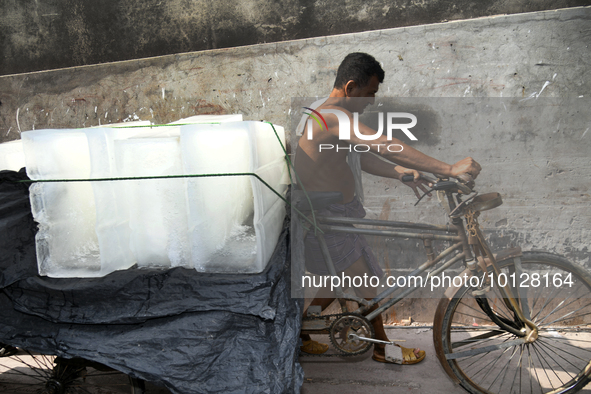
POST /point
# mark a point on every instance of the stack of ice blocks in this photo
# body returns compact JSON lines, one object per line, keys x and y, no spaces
{"x":213,"y":224}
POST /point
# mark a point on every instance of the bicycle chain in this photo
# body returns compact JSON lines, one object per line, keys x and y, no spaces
{"x":323,"y":317}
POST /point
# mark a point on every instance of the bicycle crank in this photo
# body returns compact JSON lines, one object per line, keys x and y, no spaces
{"x":348,"y":334}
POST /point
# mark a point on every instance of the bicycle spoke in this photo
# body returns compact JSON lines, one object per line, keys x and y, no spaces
{"x":30,"y":373}
{"x":502,"y":310}
{"x":42,"y":361}
{"x":467,"y":314}
{"x":491,"y":367}
{"x":500,"y":306}
{"x":556,"y":349}
{"x":474,"y":309}
{"x":484,"y":316}
{"x":573,"y":301}
{"x":69,"y":374}
{"x":568,"y":344}
{"x":31,"y":366}
{"x":505,"y":368}
{"x":549,"y":298}
{"x":550,"y":348}
{"x":21,"y":373}
{"x":529,"y":362}
{"x":519,"y":369}
{"x":542,"y":350}
{"x":535,"y":371}
{"x":474,"y":329}
{"x":470,"y":365}
{"x":533,"y":307}
{"x":566,"y":317}
{"x":561,"y":338}
{"x":481,"y":340}
{"x":557,"y":307}
{"x":40,"y":373}
{"x":542,"y":365}
{"x":481,"y":355}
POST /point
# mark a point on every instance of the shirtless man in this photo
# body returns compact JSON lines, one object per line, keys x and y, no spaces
{"x":356,"y":84}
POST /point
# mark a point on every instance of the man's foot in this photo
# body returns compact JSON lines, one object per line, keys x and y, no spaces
{"x":313,"y":347}
{"x":398,"y":355}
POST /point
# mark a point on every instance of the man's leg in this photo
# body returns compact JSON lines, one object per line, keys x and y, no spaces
{"x":359,"y":268}
{"x":323,"y":300}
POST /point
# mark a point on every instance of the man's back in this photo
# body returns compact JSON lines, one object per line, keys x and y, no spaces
{"x":324,"y":170}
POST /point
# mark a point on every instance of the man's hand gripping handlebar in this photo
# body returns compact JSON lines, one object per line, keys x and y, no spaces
{"x":463,"y":184}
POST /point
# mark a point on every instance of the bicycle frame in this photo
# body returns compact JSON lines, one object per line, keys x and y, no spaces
{"x":455,"y":232}
{"x":332,"y":225}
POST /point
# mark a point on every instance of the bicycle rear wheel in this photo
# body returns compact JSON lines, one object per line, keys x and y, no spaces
{"x":485,"y":358}
{"x":27,"y":372}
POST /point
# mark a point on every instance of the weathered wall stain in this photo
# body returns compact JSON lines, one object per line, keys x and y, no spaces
{"x":40,"y":35}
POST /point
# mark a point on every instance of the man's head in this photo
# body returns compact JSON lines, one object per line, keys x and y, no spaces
{"x":358,"y":67}
{"x":359,"y":75}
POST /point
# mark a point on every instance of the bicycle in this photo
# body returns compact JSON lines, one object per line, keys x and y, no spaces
{"x":496,"y":330}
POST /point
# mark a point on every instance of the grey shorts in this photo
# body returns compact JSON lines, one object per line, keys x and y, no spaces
{"x":345,"y":249}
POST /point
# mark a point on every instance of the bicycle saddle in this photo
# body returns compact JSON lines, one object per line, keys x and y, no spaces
{"x":319,"y":200}
{"x":486,"y":201}
{"x":482,"y":202}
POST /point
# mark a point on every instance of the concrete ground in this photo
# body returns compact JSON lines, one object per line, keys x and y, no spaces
{"x":361,"y":374}
{"x":348,"y":375}
{"x":331,"y":375}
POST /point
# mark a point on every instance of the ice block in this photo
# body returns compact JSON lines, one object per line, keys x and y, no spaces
{"x":12,"y":156}
{"x":66,"y":241}
{"x":113,"y":209}
{"x":157,"y":207}
{"x":228,"y":216}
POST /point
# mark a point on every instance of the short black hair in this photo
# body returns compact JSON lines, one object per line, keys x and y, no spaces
{"x":359,"y":67}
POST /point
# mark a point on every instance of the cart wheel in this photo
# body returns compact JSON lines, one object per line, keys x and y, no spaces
{"x":28,"y":372}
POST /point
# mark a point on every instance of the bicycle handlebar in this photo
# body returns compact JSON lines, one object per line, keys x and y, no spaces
{"x":463,"y":183}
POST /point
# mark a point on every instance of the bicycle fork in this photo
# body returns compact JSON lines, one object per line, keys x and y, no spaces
{"x":521,"y":310}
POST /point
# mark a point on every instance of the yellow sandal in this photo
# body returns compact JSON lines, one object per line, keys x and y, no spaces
{"x":396,"y":354}
{"x":313,"y":347}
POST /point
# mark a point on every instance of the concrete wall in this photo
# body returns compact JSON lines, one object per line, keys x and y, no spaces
{"x":543,"y":173}
{"x":48,"y":34}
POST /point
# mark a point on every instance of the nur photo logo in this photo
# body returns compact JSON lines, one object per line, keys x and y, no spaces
{"x":392,"y":124}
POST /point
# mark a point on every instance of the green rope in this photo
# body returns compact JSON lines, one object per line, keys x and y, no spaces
{"x":288,"y":161}
{"x":156,"y":125}
{"x":135,"y":178}
{"x":290,"y":164}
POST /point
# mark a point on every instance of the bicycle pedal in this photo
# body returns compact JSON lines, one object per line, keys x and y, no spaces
{"x":480,"y":292}
{"x":393,"y":354}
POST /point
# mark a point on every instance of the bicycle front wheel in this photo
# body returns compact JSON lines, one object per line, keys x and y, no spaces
{"x":476,"y":342}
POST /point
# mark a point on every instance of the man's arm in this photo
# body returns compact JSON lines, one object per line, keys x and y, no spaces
{"x":372,"y":164}
{"x":403,"y":154}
